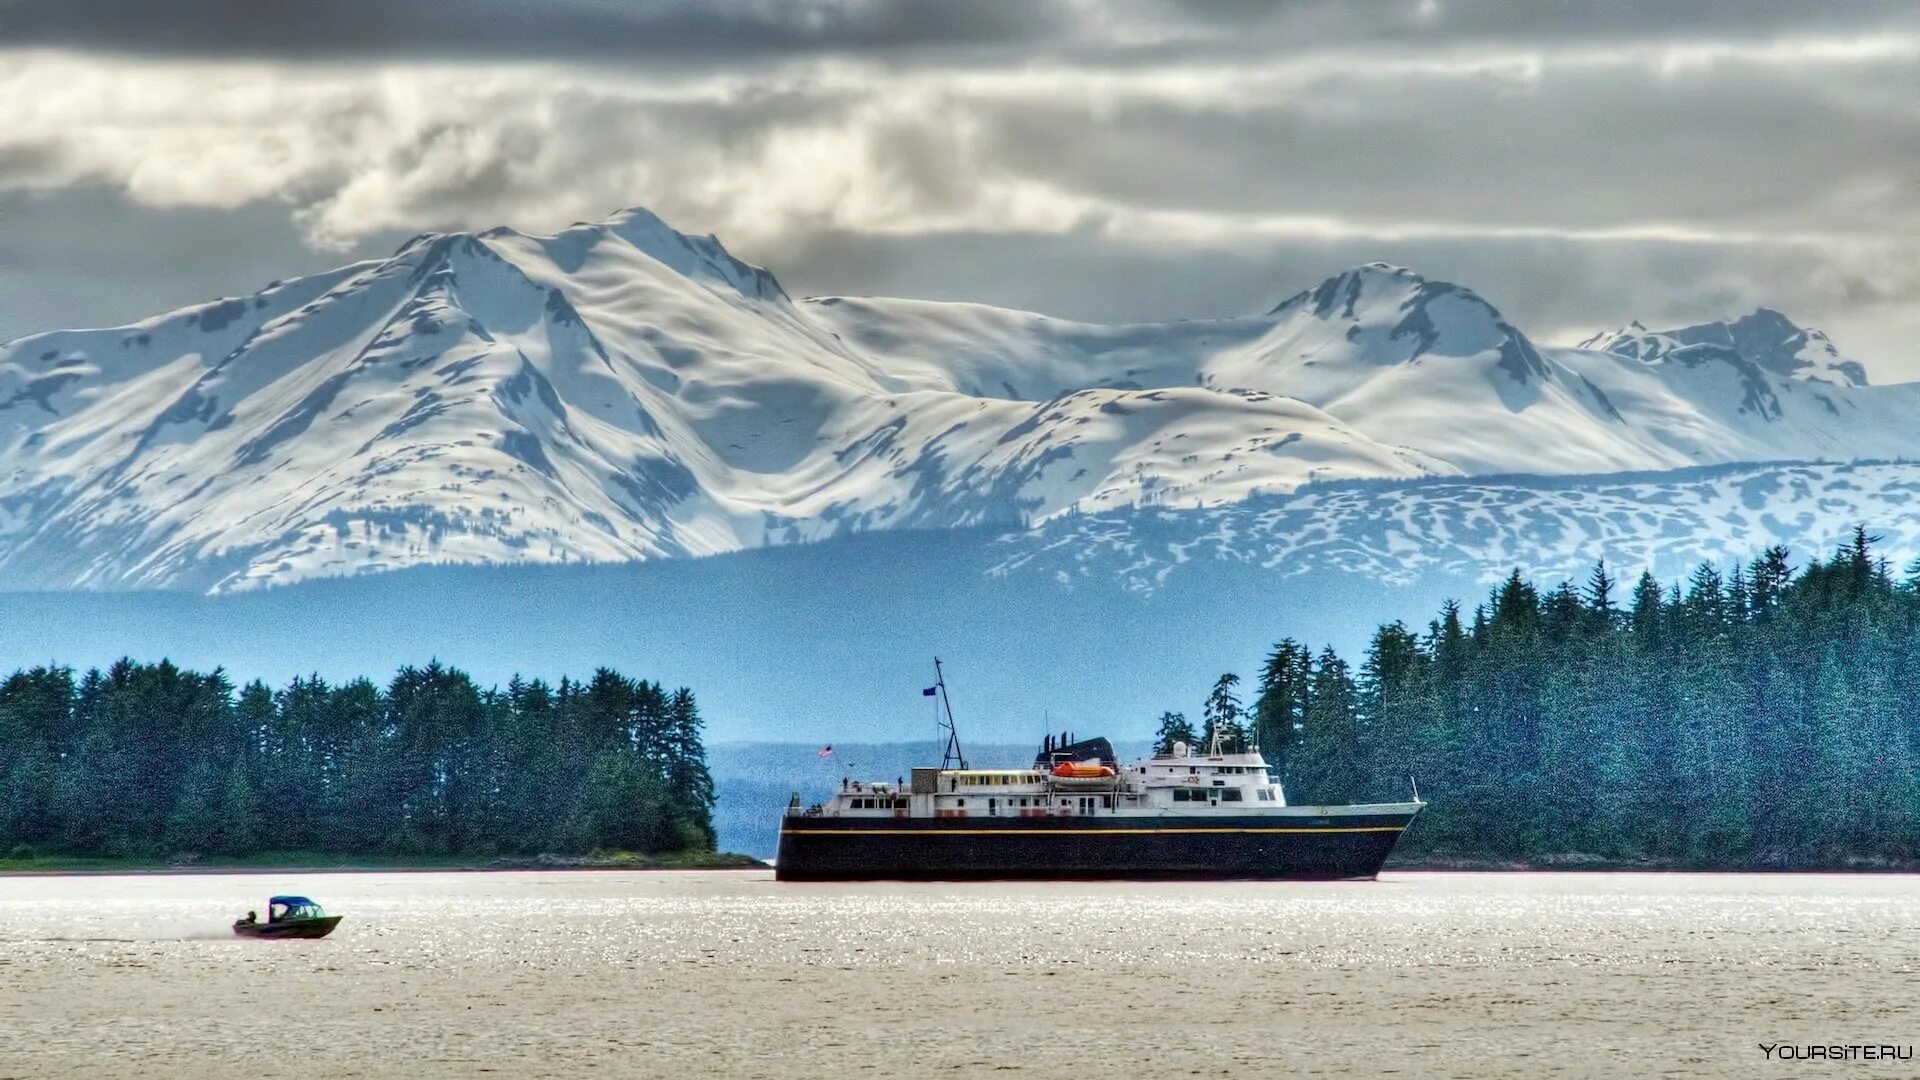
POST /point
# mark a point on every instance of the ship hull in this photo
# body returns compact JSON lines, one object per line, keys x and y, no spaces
{"x":1320,"y":847}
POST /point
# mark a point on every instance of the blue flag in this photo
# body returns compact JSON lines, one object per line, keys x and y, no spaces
{"x":930,"y":691}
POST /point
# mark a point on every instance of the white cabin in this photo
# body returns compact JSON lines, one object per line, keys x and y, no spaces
{"x":1175,"y":783}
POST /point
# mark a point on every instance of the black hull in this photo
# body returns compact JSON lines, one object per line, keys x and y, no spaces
{"x":289,"y":929}
{"x":1096,"y":848}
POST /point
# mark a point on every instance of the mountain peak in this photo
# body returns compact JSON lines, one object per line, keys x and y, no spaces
{"x":1344,"y":292}
{"x":1392,"y":312}
{"x":701,"y":258}
{"x":1764,"y":338}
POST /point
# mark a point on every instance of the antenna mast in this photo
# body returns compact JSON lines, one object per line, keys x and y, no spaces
{"x":952,"y":754}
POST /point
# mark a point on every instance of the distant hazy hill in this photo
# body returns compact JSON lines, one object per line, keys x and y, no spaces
{"x":1099,"y":620}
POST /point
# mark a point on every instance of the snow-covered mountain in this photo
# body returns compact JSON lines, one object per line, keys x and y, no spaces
{"x":620,"y":391}
{"x":1476,"y":530}
{"x":1765,"y":341}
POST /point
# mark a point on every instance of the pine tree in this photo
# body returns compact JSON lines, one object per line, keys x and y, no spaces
{"x":1331,"y":763}
{"x":152,"y":759}
{"x":1599,"y":594}
{"x":242,"y":817}
{"x":1174,"y":728}
{"x":689,"y":785}
{"x":1281,"y":704}
{"x":196,"y":825}
{"x":1648,"y":615}
{"x":1393,"y":707}
{"x":1222,"y":715}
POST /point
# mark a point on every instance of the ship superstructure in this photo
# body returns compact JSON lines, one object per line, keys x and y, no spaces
{"x":1077,"y":813}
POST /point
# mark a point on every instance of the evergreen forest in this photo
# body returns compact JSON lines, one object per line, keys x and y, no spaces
{"x":149,"y":761}
{"x":1764,"y":718}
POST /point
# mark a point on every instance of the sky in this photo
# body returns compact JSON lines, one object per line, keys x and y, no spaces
{"x":1579,"y":165}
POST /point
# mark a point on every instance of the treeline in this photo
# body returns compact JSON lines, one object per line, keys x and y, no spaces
{"x":1763,"y":718}
{"x":152,"y":760}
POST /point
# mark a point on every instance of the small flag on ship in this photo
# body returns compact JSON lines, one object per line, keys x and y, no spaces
{"x":826,"y":751}
{"x":930,"y":691}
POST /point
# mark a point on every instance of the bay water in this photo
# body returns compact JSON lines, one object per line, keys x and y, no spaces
{"x":734,"y":974}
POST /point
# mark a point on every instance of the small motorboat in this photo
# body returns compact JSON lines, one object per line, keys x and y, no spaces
{"x":288,"y":917}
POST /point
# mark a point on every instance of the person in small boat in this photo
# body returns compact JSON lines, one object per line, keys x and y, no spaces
{"x":252,"y":917}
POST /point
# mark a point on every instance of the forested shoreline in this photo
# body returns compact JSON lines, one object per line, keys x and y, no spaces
{"x":1764,"y":719}
{"x":156,"y":762}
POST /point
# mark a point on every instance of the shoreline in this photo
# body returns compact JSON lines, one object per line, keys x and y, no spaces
{"x":1608,"y":866}
{"x":624,"y":862}
{"x":751,"y":864}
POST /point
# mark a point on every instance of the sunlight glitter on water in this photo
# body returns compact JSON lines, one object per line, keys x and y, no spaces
{"x":735,"y":974}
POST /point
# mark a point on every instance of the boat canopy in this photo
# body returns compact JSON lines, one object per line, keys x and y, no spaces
{"x":291,"y":901}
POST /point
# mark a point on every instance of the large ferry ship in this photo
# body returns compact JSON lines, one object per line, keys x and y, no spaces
{"x":1077,"y":813}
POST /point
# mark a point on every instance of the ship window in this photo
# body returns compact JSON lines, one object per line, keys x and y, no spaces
{"x":1266,"y":794}
{"x":962,"y":802}
{"x":1232,"y":794}
{"x":1181,"y":794}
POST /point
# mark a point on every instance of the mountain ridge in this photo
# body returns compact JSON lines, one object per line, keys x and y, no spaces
{"x":621,"y":391}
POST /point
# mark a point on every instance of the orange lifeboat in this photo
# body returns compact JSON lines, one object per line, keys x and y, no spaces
{"x":1082,"y":770}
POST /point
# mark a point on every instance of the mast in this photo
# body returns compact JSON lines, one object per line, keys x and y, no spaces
{"x":952,"y":753}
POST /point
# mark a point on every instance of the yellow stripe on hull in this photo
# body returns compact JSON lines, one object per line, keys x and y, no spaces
{"x":1069,"y":831}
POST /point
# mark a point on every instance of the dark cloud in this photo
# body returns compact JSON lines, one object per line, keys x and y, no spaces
{"x":88,"y":257}
{"x":693,"y":32}
{"x":1324,"y":22}
{"x":1556,"y":290}
{"x":1579,"y":164}
{"x":1576,"y":150}
{"x":680,"y":31}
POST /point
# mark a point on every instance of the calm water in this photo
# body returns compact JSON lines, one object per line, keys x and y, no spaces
{"x":733,"y":974}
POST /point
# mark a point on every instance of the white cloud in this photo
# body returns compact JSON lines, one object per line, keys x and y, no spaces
{"x":359,"y":150}
{"x":1795,"y":150}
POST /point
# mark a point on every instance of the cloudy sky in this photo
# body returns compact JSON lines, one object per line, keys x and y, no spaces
{"x":1578,"y":164}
